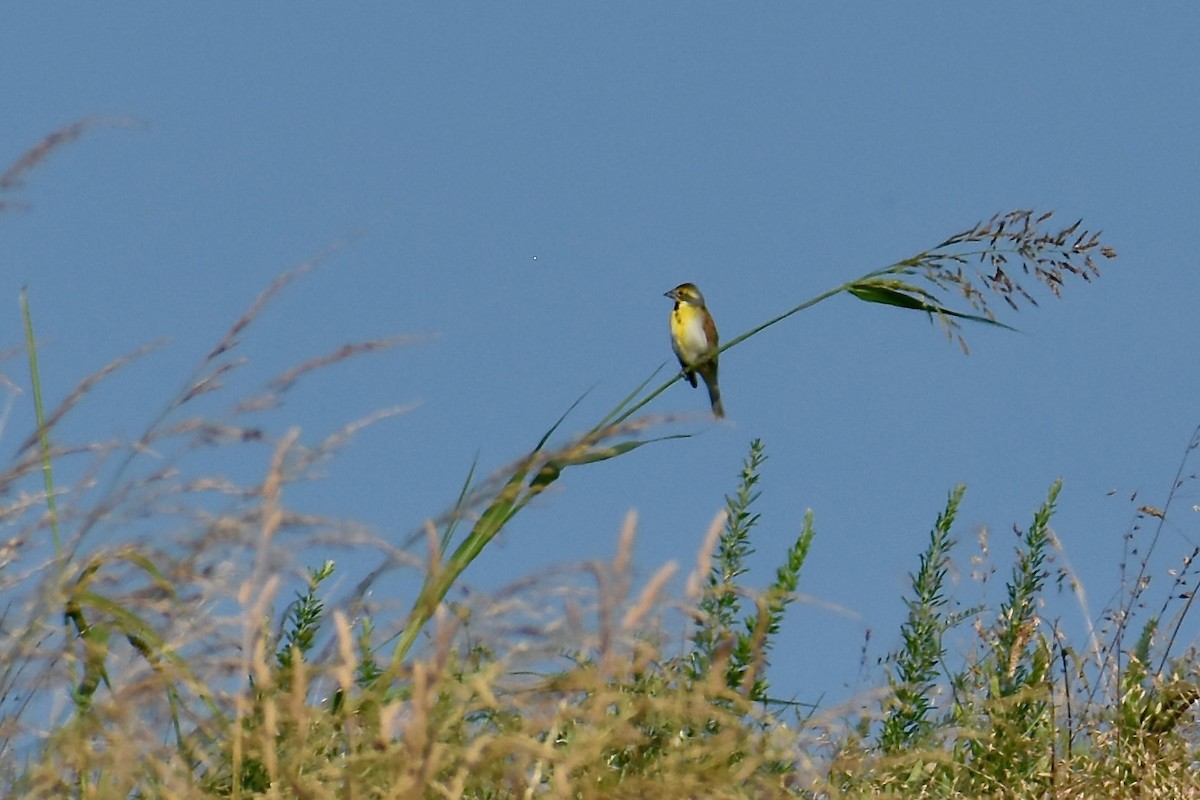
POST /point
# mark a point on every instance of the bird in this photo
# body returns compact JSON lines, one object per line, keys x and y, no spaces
{"x":694,"y":340}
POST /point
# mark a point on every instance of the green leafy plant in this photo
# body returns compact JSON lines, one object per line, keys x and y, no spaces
{"x":916,"y":667}
{"x":180,"y":681}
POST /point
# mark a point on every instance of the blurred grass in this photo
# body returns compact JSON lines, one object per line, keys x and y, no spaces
{"x":159,"y":664}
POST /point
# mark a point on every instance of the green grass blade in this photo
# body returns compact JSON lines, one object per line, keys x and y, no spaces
{"x":43,"y":433}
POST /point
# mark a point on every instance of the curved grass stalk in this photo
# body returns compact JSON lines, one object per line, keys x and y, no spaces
{"x":1013,"y":238}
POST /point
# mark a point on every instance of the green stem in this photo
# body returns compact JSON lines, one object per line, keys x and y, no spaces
{"x":43,"y":434}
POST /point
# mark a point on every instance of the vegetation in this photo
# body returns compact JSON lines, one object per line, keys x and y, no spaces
{"x":144,"y":654}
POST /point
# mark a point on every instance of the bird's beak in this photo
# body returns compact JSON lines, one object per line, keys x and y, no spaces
{"x":671,"y":294}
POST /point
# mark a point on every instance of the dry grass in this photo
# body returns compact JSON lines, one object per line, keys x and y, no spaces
{"x":151,"y":650}
{"x":559,"y":686}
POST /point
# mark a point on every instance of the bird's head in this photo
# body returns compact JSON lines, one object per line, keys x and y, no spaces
{"x":686,"y":293}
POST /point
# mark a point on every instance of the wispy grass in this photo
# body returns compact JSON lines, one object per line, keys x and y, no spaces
{"x":193,"y":653}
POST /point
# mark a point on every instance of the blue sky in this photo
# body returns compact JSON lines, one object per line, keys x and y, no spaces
{"x":521,"y":182}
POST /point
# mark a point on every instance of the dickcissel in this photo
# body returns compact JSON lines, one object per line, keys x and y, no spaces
{"x":694,"y":340}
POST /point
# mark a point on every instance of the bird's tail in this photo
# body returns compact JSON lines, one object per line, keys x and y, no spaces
{"x":714,"y":397}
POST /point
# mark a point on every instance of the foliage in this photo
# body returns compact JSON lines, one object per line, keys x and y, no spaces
{"x":915,"y":667}
{"x":142,"y":595}
{"x":725,"y":632}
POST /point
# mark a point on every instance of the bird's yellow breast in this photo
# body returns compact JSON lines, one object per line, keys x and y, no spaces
{"x":687,"y":333}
